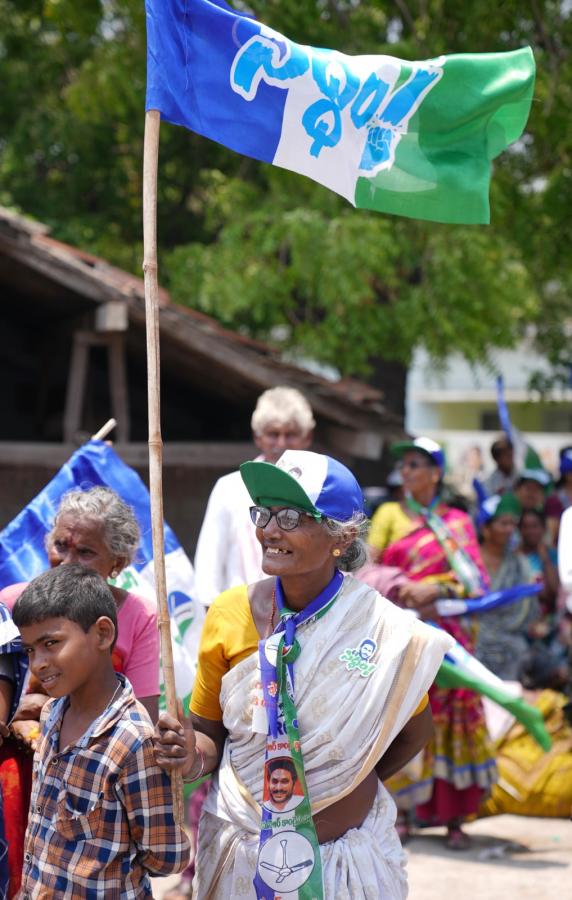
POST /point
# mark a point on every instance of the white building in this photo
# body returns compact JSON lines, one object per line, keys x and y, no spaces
{"x":457,"y":406}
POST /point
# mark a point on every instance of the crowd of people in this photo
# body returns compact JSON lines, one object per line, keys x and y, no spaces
{"x":315,"y":709}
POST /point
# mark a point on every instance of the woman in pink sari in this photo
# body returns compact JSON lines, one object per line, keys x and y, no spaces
{"x":435,"y":546}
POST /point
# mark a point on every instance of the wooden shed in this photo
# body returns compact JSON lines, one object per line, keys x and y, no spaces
{"x":72,"y":354}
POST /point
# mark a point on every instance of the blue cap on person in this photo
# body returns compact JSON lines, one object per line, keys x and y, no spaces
{"x":311,"y":482}
{"x":566,"y":460}
{"x":424,"y":445}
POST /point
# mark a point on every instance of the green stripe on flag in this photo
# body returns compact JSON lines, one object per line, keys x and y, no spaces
{"x":442,"y":163}
{"x":453,"y":676}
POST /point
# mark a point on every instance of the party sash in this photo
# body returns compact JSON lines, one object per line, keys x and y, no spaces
{"x":461,"y":563}
{"x":289,"y":863}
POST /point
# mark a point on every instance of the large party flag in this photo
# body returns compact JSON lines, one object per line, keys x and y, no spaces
{"x":410,"y":138}
{"x":23,"y":554}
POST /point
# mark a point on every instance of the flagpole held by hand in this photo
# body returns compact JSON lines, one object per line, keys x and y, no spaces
{"x":150,"y":163}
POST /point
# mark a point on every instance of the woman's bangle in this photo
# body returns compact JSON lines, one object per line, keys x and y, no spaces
{"x":189,"y":778}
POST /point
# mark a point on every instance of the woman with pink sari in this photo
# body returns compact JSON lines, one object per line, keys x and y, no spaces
{"x":435,"y":546}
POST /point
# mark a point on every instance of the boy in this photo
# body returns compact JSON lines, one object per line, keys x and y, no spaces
{"x":101,"y":816}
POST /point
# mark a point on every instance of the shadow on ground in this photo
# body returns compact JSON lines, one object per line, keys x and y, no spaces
{"x":487,"y":849}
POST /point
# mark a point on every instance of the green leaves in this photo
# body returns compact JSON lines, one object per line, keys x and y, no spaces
{"x":271,"y":253}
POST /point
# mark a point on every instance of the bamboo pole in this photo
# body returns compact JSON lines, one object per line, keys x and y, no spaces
{"x":150,"y":163}
{"x":104,"y":430}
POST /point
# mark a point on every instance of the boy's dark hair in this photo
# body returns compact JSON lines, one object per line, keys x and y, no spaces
{"x":68,"y":591}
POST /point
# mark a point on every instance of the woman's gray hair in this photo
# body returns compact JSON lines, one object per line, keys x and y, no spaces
{"x":102,"y":505}
{"x":355,"y":555}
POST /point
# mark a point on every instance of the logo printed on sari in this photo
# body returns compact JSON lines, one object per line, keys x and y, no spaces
{"x":287,"y":861}
{"x":358,"y":658}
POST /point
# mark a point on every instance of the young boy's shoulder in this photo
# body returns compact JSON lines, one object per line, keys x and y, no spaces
{"x":122,"y":733}
{"x":131,"y":728}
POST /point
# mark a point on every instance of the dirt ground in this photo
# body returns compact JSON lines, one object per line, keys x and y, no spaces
{"x":512,"y":858}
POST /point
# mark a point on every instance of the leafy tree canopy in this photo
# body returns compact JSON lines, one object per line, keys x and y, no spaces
{"x":269,"y":252}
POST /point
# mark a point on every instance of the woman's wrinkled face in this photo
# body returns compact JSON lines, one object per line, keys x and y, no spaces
{"x":500,"y":530}
{"x":308,"y":549}
{"x":419,"y":475}
{"x":80,"y":540}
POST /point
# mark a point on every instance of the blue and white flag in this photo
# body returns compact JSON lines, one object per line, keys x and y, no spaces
{"x":492,"y":600}
{"x":23,"y":554}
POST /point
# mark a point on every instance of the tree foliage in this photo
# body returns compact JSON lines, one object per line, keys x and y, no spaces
{"x":269,"y":252}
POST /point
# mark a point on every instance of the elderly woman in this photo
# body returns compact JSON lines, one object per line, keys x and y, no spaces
{"x":435,"y":546}
{"x":317,"y":671}
{"x":97,"y":529}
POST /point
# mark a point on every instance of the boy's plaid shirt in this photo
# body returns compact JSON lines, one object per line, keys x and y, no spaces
{"x":101,"y":814}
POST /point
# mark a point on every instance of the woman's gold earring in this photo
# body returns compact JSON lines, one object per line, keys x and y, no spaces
{"x":336,"y":552}
{"x":114,"y":573}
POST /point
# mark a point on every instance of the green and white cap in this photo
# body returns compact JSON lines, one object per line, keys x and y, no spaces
{"x":312,"y":482}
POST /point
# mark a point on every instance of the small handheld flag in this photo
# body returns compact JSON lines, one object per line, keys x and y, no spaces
{"x":488,"y":601}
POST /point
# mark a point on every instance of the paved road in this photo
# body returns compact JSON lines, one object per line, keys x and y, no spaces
{"x":512,"y":858}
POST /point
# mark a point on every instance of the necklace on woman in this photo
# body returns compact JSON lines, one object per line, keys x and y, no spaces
{"x":272,"y":613}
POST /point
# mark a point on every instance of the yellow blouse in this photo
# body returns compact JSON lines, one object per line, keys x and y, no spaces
{"x":229,"y":636}
{"x":389,"y":524}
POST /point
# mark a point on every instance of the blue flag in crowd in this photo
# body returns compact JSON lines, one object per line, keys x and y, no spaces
{"x":23,"y":554}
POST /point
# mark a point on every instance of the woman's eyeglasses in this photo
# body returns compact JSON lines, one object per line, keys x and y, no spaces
{"x":287,"y":519}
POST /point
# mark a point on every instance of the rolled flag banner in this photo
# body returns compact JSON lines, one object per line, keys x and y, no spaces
{"x":23,"y":555}
{"x":526,"y":459}
{"x":460,"y":669}
{"x":409,"y":138}
{"x":488,"y":601}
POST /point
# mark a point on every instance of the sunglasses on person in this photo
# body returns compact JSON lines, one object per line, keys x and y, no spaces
{"x":286,"y":518}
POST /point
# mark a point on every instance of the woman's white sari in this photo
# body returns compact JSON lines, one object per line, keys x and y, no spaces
{"x":347,"y":721}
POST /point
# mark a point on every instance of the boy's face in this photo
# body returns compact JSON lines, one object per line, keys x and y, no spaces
{"x":64,"y":657}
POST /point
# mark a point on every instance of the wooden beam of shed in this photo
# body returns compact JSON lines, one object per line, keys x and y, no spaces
{"x":67,"y":272}
{"x":241,"y":362}
{"x":200,"y":455}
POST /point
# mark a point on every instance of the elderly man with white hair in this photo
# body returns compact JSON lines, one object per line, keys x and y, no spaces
{"x":227,"y":551}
